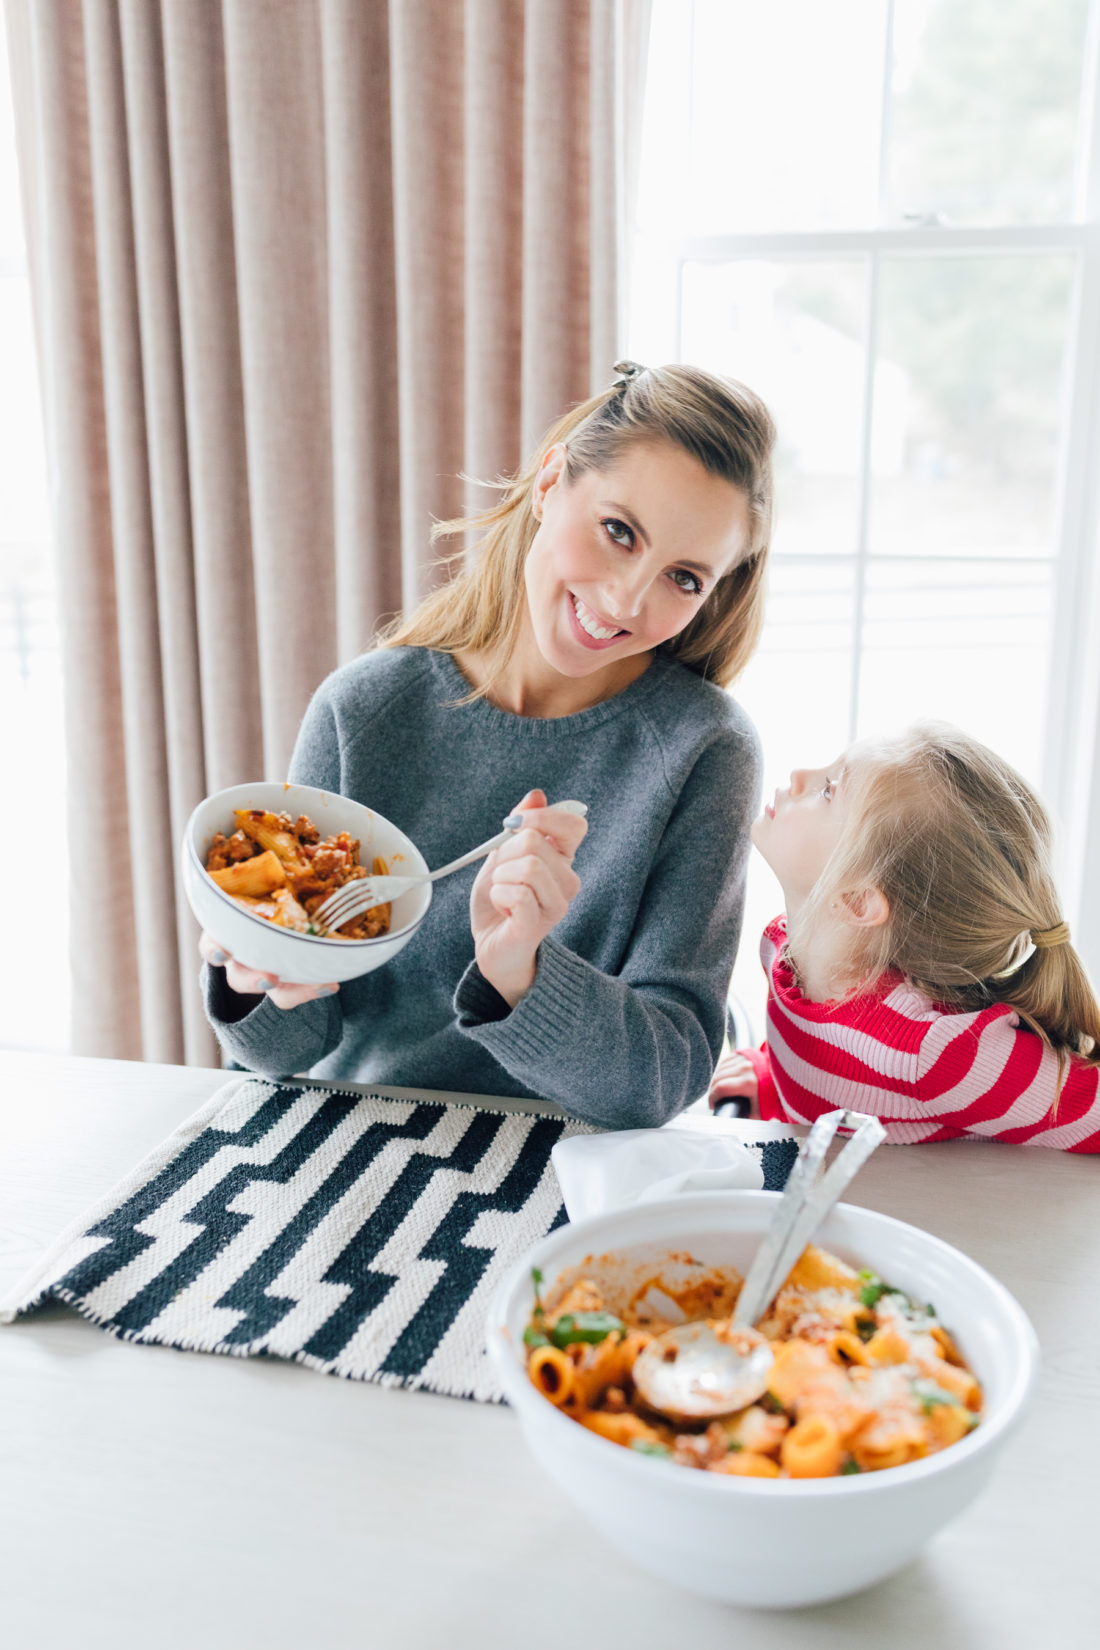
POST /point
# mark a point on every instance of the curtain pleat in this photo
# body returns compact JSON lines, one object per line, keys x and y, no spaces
{"x":362,"y":319}
{"x":494,"y":243}
{"x":426,"y":67}
{"x":53,"y":105}
{"x":299,"y":265}
{"x":213,"y":382}
{"x":556,"y":221}
{"x":276,"y":160}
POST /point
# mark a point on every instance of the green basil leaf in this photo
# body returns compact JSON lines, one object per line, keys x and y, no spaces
{"x":931,"y":1395}
{"x":533,"y":1337}
{"x":591,"y":1327}
{"x":645,"y":1446}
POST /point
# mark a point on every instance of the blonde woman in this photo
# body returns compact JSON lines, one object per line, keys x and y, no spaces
{"x":922,"y":971}
{"x":583,"y":651}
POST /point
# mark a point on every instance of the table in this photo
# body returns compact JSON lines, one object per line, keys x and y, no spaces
{"x":150,"y":1497}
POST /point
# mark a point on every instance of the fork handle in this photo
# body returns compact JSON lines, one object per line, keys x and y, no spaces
{"x":498,"y":841}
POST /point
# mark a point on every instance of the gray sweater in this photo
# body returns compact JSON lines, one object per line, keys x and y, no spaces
{"x":627,"y":1011}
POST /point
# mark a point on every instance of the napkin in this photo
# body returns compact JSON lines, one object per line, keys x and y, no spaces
{"x":598,"y":1172}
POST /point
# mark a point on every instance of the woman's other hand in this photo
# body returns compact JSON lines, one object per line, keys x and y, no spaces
{"x":734,"y":1079}
{"x":248,"y":983}
{"x":523,"y":891}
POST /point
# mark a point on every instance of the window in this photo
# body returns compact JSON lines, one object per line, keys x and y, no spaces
{"x":34,"y":968}
{"x":884,"y":215}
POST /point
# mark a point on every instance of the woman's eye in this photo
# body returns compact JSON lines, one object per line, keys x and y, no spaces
{"x":618,"y":532}
{"x":686,"y":581}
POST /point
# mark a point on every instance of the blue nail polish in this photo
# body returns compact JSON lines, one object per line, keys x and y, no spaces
{"x":514,"y":822}
{"x":328,"y":990}
{"x":266,"y":985}
{"x":219,"y":957}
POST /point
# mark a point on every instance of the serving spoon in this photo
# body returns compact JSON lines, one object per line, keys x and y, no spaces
{"x":693,"y":1372}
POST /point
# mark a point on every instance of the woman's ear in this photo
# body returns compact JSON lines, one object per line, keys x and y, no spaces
{"x":549,"y":474}
{"x":865,"y":907}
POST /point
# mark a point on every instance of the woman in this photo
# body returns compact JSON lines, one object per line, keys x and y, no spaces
{"x":617,"y":589}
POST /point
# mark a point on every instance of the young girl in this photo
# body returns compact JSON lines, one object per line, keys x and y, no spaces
{"x":922,"y":970}
{"x":582,"y":652}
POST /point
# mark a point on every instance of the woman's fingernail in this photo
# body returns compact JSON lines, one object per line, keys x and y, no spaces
{"x":266,"y":985}
{"x":327,"y":990}
{"x":218,"y":956}
{"x":513,"y":822}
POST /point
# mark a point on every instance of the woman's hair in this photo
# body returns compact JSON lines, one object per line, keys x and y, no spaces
{"x":717,"y":420}
{"x":959,"y":845}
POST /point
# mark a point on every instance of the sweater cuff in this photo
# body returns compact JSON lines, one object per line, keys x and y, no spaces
{"x":476,"y":1002}
{"x":220,"y":1001}
{"x":542,"y":1022}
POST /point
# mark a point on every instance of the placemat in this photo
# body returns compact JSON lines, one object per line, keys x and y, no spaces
{"x":360,"y":1235}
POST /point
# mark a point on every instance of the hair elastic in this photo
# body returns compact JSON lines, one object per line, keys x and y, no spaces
{"x":626,"y":370}
{"x":1045,"y":939}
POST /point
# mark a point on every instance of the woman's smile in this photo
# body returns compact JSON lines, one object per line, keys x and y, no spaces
{"x":592,"y":629}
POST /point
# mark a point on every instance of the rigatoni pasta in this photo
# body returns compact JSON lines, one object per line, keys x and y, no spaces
{"x":283,"y":870}
{"x":863,"y":1377}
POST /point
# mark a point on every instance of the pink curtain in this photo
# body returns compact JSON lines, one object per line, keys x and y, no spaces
{"x":297,"y":266}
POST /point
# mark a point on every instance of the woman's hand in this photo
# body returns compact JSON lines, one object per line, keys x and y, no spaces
{"x":523,"y":891}
{"x":734,"y":1079}
{"x":249,"y":983}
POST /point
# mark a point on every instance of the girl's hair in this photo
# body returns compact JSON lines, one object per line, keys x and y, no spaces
{"x":959,"y":844}
{"x":717,"y":420}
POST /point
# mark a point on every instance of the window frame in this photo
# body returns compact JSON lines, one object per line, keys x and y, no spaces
{"x":1070,"y":775}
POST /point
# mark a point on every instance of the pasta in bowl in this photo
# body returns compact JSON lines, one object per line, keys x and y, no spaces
{"x":258,"y":859}
{"x":859,"y":1493}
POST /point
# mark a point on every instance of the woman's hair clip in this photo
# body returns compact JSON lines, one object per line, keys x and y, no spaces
{"x":626,"y":370}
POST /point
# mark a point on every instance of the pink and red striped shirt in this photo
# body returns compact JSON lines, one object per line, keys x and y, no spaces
{"x":927,"y":1072}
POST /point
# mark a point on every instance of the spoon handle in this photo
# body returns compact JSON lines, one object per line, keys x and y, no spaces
{"x":805,"y":1204}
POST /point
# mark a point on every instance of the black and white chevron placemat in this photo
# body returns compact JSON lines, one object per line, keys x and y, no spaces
{"x":361,"y":1235}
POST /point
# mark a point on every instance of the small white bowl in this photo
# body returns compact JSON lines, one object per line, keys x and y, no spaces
{"x":771,"y":1543}
{"x":305,"y":959}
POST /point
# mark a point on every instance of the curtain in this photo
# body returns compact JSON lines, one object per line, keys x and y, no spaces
{"x":298,"y":266}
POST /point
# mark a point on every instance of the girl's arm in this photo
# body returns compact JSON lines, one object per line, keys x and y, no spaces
{"x":986,"y":1074}
{"x":747,"y":1073}
{"x":633,"y":1048}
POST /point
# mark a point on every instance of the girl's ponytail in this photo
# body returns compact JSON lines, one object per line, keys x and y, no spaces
{"x":1051,"y":992}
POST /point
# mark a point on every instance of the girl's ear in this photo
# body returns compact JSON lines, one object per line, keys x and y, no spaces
{"x":865,"y":907}
{"x":549,"y":474}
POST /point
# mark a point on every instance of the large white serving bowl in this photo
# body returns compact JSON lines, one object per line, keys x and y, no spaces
{"x":768,"y":1542}
{"x":305,"y":959}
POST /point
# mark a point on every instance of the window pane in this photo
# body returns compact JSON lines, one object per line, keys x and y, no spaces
{"x":785,"y":113}
{"x":11,"y":215}
{"x":24,"y":510}
{"x":794,"y":332}
{"x":796,"y":689}
{"x":984,"y":112}
{"x":965,"y":641}
{"x":797,"y":686}
{"x":966,"y":448}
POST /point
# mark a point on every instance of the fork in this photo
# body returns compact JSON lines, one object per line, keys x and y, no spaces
{"x":359,"y":896}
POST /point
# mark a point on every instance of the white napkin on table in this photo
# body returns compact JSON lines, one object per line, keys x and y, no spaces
{"x":598,"y":1172}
